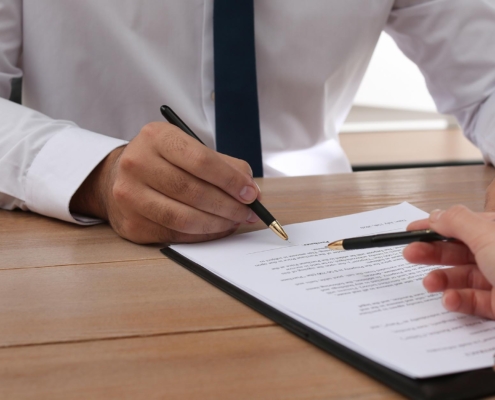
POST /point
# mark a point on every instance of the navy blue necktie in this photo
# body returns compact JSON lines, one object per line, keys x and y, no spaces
{"x":236,"y":94}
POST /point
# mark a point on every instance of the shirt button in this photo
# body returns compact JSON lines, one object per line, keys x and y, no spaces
{"x":212,"y":96}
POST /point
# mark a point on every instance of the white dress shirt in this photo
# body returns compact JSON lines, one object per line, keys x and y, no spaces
{"x":95,"y":71}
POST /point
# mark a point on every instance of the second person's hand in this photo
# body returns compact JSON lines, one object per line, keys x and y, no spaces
{"x":166,"y":187}
{"x":469,"y":286}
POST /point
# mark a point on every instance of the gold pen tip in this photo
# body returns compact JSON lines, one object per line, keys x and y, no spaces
{"x":277,"y":228}
{"x":337,"y":245}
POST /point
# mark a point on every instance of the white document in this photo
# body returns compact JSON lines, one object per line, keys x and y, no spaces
{"x":371,"y":301}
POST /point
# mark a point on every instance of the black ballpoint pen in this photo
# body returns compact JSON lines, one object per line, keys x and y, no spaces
{"x":256,"y":206}
{"x":387,"y":239}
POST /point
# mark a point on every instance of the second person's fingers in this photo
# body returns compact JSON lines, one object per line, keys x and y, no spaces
{"x":462,"y":277}
{"x":472,"y":229}
{"x":425,"y":223}
{"x":441,"y":253}
{"x":463,"y":224}
{"x":418,"y":225}
{"x":470,"y":301}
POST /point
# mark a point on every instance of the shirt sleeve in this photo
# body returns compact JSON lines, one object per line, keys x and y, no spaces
{"x":42,"y":161}
{"x":452,"y":42}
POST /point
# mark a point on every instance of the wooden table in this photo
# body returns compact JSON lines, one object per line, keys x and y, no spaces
{"x":85,"y":314}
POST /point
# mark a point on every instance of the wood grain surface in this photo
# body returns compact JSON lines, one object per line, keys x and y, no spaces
{"x":262,"y":363}
{"x":86,"y":314}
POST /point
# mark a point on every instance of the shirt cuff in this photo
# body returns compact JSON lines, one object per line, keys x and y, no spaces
{"x":60,"y":167}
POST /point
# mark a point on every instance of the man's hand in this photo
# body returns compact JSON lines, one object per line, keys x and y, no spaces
{"x":166,"y":187}
{"x":469,"y":287}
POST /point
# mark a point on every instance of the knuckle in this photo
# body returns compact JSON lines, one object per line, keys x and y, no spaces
{"x":181,"y":222}
{"x":128,"y":163}
{"x":152,"y":211}
{"x":167,"y":216}
{"x":458,"y":216}
{"x":181,"y":187}
{"x":196,"y":194}
{"x":178,"y":184}
{"x":120,"y":192}
{"x":244,"y":166}
{"x":480,"y":243}
{"x":238,"y":212}
{"x":131,"y":226}
{"x":217,"y":206}
{"x":238,"y":164}
{"x":208,"y":227}
{"x":200,"y":159}
{"x":214,"y":226}
{"x":231,"y":183}
{"x":456,"y":211}
{"x":164,"y":216}
{"x":128,"y":229}
{"x":150,"y":130}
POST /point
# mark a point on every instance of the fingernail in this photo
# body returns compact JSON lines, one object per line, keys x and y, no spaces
{"x":248,"y":193}
{"x":435,"y":215}
{"x":252,"y":217}
{"x":259,"y":190}
{"x":257,"y":186}
{"x":444,"y":304}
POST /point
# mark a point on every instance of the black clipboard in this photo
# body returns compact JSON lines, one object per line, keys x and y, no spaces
{"x":466,"y":385}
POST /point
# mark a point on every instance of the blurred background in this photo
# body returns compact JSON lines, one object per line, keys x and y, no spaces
{"x":394,"y":122}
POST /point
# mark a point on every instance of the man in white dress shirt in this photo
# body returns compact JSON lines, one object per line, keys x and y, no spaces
{"x":96,"y":72}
